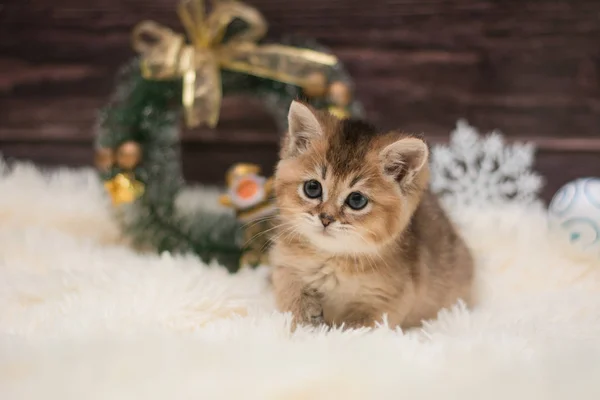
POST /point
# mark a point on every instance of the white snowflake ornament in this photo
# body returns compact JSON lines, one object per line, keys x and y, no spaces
{"x":477,"y":170}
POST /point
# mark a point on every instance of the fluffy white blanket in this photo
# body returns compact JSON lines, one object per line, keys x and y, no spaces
{"x":82,"y":316}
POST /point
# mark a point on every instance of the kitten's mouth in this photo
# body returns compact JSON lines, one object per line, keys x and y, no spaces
{"x":325,"y":232}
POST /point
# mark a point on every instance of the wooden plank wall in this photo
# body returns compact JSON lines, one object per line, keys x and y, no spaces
{"x":529,"y":68}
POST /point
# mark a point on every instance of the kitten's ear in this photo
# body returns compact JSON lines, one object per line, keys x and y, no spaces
{"x":403,"y":159}
{"x":303,"y":127}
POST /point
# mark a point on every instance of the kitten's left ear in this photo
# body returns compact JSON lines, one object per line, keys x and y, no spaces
{"x":303,"y":127}
{"x":403,"y":159}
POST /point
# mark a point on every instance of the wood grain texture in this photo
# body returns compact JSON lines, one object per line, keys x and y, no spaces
{"x":528,"y":68}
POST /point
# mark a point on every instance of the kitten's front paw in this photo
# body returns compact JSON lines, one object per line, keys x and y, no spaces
{"x":312,"y":314}
{"x":310,"y":311}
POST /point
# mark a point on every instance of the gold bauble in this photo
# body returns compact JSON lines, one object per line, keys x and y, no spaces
{"x":129,"y":155}
{"x":339,"y":94}
{"x":315,"y":84}
{"x":104,"y":159}
{"x":339,"y":112}
{"x":124,"y":188}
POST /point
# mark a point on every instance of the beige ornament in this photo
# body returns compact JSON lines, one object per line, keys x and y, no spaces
{"x":104,"y":159}
{"x":129,"y":155}
{"x":339,"y":94}
{"x":315,"y":84}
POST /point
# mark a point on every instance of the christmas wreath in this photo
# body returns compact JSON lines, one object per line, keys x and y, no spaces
{"x":138,"y":143}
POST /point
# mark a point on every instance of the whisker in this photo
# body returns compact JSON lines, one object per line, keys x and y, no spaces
{"x":253,"y":222}
{"x":266,"y":231}
{"x":284,"y":234}
{"x":368,"y":256}
{"x":271,"y":240}
{"x":289,"y":226}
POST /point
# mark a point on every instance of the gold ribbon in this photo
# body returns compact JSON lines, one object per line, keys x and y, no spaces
{"x":166,"y":55}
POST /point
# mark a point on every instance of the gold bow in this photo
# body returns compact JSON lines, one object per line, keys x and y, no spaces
{"x":166,"y":55}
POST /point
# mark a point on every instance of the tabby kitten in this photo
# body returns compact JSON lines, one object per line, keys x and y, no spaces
{"x":361,"y":235}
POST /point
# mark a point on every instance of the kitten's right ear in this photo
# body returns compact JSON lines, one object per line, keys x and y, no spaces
{"x":303,"y":127}
{"x":403,"y":159}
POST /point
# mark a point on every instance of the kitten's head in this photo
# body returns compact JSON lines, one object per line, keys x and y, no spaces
{"x":344,"y":186}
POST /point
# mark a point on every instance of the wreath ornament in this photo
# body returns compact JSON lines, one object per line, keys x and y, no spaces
{"x":175,"y":76}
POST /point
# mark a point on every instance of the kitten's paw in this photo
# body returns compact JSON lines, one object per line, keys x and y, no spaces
{"x":310,"y":311}
{"x":313,"y":315}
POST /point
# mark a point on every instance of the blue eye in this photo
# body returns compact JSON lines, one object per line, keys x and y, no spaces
{"x":313,"y":189}
{"x":356,"y":201}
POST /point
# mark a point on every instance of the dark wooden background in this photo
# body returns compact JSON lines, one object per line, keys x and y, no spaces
{"x":529,"y":68}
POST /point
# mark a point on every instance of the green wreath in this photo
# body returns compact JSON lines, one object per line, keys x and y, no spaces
{"x":143,"y":119}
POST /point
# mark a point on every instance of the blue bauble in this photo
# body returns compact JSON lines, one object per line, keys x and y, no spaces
{"x":575,"y":212}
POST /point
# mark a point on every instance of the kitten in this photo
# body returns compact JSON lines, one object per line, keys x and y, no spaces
{"x":361,"y":235}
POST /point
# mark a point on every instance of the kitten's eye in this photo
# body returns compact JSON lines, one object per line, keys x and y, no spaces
{"x":356,"y":201}
{"x":313,"y":189}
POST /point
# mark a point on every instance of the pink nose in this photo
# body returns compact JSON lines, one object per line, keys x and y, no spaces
{"x":326,"y":219}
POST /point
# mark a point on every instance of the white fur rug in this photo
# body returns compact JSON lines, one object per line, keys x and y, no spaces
{"x":84,"y":317}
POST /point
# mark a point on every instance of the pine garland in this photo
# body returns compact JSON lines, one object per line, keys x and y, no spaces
{"x":149,"y":113}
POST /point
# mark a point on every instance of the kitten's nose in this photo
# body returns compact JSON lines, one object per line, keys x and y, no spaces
{"x":326,"y":219}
